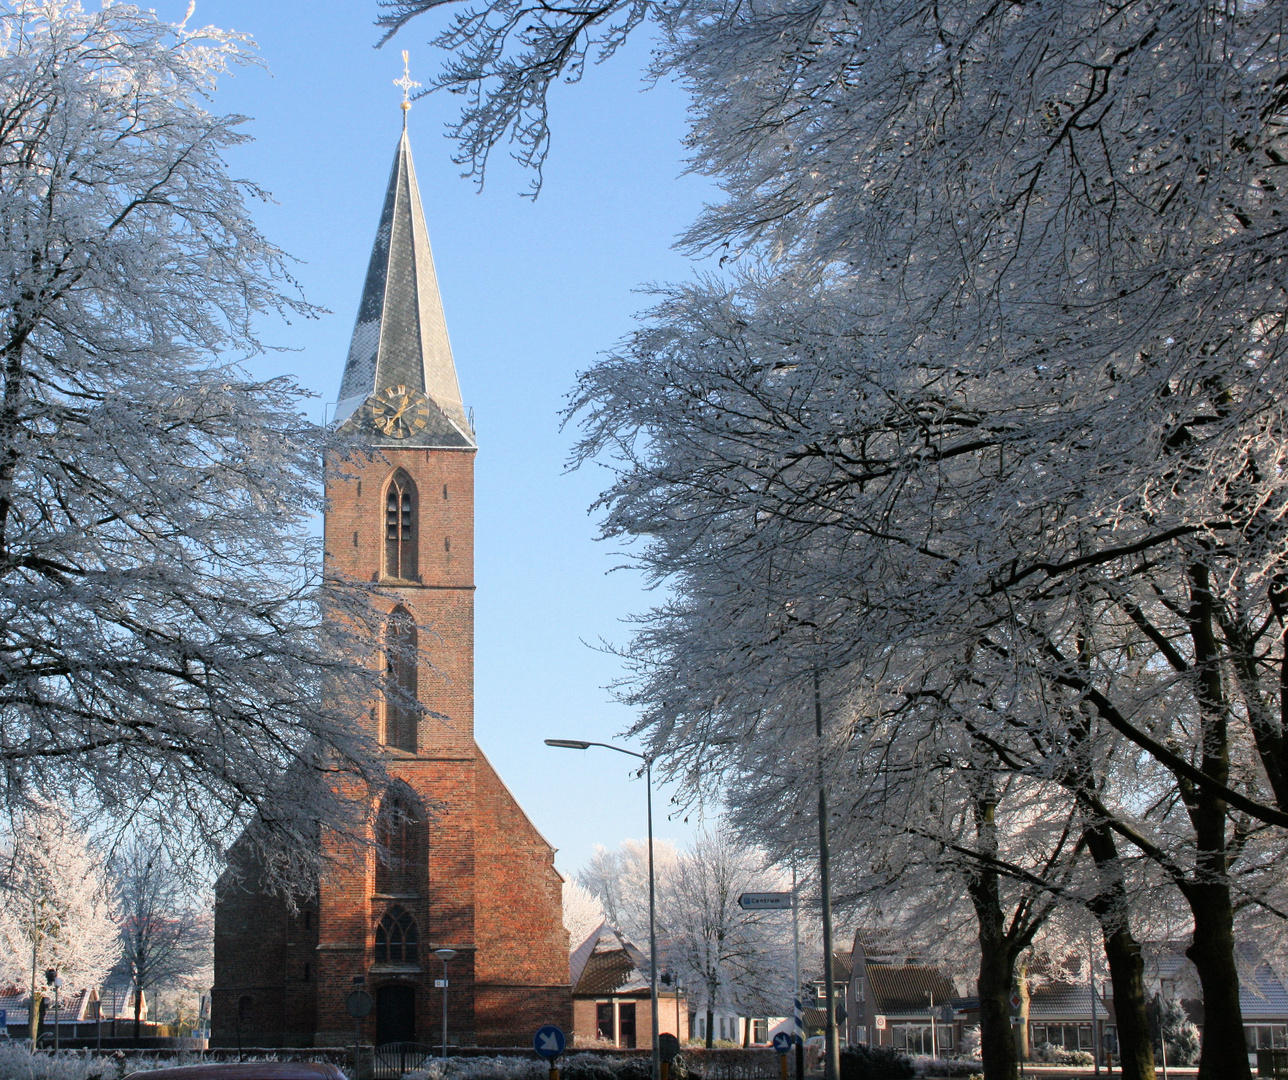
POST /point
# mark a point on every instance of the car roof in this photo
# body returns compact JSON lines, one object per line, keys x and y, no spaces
{"x":245,"y":1070}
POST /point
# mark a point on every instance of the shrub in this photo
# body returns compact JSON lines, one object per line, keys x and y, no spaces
{"x":1058,"y":1055}
{"x":17,"y":1062}
{"x":863,"y":1062}
{"x":939,"y":1067}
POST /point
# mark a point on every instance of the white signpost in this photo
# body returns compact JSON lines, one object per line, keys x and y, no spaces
{"x":765,"y":901}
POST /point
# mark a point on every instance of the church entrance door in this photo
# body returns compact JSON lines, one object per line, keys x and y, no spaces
{"x":395,"y":1014}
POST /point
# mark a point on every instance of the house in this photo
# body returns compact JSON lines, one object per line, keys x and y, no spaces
{"x":891,"y":1000}
{"x":1069,"y":1016}
{"x":814,"y":1001}
{"x":1263,"y":996}
{"x":611,"y":994}
{"x":78,"y":1012}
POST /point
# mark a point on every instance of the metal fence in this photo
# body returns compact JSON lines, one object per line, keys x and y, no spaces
{"x":391,"y":1060}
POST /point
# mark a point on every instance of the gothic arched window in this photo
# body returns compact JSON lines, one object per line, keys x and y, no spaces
{"x":402,"y":854}
{"x":401,"y":714}
{"x":400,"y":527}
{"x":396,"y":938}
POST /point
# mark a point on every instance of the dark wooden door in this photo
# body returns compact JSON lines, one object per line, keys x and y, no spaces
{"x":395,"y":1014}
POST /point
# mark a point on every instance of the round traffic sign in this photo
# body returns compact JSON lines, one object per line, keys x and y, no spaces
{"x":783,"y":1042}
{"x":549,"y":1042}
{"x":359,"y":1004}
{"x":668,"y":1046}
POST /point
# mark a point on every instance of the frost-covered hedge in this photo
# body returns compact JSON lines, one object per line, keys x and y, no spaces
{"x":17,"y":1062}
{"x":572,"y":1067}
{"x":1058,"y":1055}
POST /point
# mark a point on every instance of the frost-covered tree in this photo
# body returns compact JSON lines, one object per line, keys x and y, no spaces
{"x":165,"y":933}
{"x":618,"y":879}
{"x":55,"y":905}
{"x":737,"y":957}
{"x":1010,"y":383}
{"x":163,"y":650}
{"x":582,"y":912}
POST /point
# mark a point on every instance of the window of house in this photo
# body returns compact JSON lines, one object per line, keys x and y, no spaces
{"x":760,"y":1031}
{"x":400,"y":527}
{"x":401,"y":714}
{"x":244,"y":1007}
{"x":1266,"y":1036}
{"x":1070,"y":1036}
{"x":396,"y":938}
{"x":604,"y":1021}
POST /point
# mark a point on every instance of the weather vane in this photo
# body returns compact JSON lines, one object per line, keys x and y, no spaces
{"x":408,"y":84}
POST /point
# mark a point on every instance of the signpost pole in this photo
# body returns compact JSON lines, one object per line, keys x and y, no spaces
{"x":798,"y":1029}
{"x":445,"y":955}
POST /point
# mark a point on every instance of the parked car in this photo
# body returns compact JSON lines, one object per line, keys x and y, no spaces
{"x":245,"y":1070}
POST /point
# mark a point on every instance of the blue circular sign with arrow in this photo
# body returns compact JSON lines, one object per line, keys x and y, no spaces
{"x":783,"y":1042}
{"x":549,"y":1042}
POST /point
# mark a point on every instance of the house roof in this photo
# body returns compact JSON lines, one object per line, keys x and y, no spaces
{"x":881,"y":946}
{"x":607,"y":963}
{"x":72,"y":1006}
{"x":907,"y":988}
{"x":1263,"y":996}
{"x":1065,"y":1001}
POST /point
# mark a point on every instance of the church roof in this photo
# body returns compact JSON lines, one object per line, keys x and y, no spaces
{"x":400,"y":337}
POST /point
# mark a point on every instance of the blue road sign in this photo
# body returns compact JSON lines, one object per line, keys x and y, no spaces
{"x":783,"y":1042}
{"x":549,"y":1042}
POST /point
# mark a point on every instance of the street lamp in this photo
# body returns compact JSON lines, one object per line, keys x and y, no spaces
{"x":445,"y":955}
{"x":56,"y":981}
{"x":580,"y":744}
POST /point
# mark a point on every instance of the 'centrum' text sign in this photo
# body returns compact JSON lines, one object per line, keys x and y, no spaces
{"x":765,"y":901}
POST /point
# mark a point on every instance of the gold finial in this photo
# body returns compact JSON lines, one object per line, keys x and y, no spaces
{"x":408,"y":84}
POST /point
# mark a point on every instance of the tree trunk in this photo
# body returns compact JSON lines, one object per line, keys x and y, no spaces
{"x":1224,"y":1054}
{"x":996,"y":955}
{"x":1126,"y":968}
{"x":711,"y":1025}
{"x":997,"y":1042}
{"x":33,"y":1017}
{"x":138,"y":1009}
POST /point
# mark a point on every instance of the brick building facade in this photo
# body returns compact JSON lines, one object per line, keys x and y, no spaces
{"x":460,"y":864}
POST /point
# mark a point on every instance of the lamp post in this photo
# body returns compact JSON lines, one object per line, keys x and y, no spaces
{"x":580,"y":744}
{"x":445,"y":955}
{"x":56,"y":981}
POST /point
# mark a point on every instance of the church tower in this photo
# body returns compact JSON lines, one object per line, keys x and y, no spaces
{"x":460,"y":865}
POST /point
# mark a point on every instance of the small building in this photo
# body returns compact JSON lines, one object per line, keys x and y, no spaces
{"x":1067,"y":1015}
{"x":612,"y":996}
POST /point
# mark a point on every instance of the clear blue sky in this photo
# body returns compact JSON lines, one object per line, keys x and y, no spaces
{"x":533,"y":292}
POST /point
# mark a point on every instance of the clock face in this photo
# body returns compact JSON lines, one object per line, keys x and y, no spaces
{"x":398,"y":412}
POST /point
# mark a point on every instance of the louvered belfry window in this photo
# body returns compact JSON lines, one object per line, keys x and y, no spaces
{"x":401,"y":714}
{"x":400,"y":528}
{"x":396,"y":938}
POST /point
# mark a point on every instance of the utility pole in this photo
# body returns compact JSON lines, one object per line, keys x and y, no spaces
{"x":799,"y":1026}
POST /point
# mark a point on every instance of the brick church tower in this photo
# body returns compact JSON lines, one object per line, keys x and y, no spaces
{"x":463,"y":867}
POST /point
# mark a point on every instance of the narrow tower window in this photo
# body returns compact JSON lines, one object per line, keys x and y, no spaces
{"x":400,"y":527}
{"x":401,"y":713}
{"x":402,"y":855}
{"x":396,"y":938}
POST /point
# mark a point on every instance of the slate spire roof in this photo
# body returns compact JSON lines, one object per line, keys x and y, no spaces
{"x":400,"y":337}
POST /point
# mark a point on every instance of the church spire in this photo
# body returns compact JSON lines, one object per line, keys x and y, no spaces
{"x":400,"y":349}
